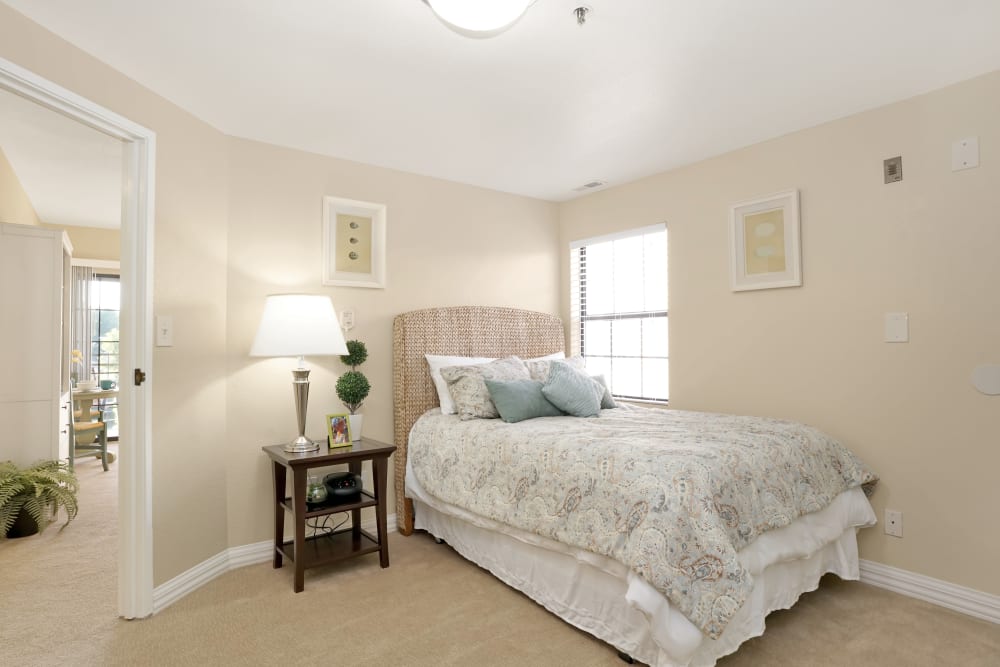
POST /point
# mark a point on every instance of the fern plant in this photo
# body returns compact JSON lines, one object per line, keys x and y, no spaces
{"x":40,"y":489}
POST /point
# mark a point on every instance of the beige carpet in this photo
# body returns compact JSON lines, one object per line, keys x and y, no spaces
{"x":430,"y":608}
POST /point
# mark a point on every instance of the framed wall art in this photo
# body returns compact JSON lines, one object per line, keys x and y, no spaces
{"x":764,"y":239}
{"x":353,"y":243}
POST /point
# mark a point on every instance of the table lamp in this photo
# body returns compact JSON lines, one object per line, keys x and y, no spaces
{"x":297,"y":325}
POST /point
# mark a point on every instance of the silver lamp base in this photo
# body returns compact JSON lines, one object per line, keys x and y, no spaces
{"x":300,"y":387}
{"x":301,"y":445}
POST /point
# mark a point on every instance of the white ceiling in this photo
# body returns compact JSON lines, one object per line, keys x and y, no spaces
{"x":70,"y":172}
{"x":644,"y":86}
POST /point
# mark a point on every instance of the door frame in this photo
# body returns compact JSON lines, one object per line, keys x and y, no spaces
{"x":135,"y":486}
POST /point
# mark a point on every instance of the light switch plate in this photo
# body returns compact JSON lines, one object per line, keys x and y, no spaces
{"x":897,"y":328}
{"x":164,"y":331}
{"x":965,"y":154}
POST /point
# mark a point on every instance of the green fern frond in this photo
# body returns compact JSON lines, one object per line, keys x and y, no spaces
{"x":9,"y":511}
{"x":38,"y":510}
{"x":41,"y":489}
{"x":10,"y":487}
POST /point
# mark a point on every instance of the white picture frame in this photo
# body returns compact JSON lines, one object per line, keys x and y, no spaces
{"x":353,"y":257}
{"x":765,"y":250}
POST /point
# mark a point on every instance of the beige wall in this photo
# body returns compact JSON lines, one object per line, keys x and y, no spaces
{"x":928,"y":246}
{"x":188,"y":380}
{"x":220,"y":247}
{"x":447,"y":244}
{"x":236,"y":220}
{"x":93,"y":242}
{"x":15,"y":207}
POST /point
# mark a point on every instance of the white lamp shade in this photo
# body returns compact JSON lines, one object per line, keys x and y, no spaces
{"x":298,"y":325}
{"x":479,"y":15}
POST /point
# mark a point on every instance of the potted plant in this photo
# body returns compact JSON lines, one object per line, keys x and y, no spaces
{"x":353,"y":386}
{"x":31,"y":497}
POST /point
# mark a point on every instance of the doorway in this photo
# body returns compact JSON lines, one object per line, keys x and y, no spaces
{"x":135,"y":557}
{"x":99,"y":343}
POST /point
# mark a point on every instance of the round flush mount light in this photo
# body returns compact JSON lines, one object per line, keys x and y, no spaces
{"x":481,"y":17}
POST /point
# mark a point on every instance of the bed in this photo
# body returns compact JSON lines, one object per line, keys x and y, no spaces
{"x":666,"y":587}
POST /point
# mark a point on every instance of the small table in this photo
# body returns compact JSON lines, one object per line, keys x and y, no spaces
{"x":84,"y":399}
{"x":346,"y":543}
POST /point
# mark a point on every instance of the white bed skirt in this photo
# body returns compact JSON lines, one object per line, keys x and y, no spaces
{"x":603,"y":597}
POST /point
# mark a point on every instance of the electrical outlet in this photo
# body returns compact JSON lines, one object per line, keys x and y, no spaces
{"x":894,"y":523}
{"x":347,"y":319}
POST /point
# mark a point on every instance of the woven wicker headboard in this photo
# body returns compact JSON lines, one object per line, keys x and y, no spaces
{"x":468,"y":331}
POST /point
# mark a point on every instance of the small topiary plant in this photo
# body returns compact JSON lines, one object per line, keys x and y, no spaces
{"x":353,"y":386}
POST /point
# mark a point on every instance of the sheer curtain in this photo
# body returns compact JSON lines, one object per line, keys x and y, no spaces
{"x":80,"y":323}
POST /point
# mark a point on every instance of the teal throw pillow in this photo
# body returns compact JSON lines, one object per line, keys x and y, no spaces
{"x":607,"y":402}
{"x":571,"y":391}
{"x":517,"y":400}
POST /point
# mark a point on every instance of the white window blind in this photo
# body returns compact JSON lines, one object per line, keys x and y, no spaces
{"x":618,"y":310}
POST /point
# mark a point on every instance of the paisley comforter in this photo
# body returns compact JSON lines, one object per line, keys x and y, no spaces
{"x":672,"y":495}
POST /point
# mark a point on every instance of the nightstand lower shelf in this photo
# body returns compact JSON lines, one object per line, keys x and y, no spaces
{"x":329,"y":548}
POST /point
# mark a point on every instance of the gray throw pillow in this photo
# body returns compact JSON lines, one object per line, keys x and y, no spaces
{"x":518,"y":400}
{"x":607,"y":401}
{"x":571,"y":391}
{"x":539,"y":368}
{"x":467,"y":385}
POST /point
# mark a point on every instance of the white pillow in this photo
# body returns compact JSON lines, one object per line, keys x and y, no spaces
{"x":437,"y":362}
{"x":549,"y":357}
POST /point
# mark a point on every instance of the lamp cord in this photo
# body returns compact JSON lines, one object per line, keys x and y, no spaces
{"x":320,"y":528}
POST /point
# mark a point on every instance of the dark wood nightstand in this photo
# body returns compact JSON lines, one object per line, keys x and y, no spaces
{"x":346,"y":543}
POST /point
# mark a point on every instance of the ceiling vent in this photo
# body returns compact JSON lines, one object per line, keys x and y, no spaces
{"x":590,"y":186}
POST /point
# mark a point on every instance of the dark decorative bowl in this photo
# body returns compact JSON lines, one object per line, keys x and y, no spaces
{"x":343,"y":484}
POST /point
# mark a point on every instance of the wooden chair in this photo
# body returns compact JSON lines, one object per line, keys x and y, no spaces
{"x":93,"y":440}
{"x":95,"y":415}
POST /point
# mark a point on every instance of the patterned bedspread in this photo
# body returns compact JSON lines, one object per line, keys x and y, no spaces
{"x":672,"y":495}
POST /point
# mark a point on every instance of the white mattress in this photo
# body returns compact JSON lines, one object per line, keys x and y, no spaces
{"x":603,"y":597}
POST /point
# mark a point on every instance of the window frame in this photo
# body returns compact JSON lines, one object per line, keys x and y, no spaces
{"x":578,"y":308}
{"x":99,"y":370}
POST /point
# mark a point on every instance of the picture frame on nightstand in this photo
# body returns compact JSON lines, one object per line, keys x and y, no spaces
{"x":338,"y":430}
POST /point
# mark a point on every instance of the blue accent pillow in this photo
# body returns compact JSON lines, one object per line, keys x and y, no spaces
{"x":573,"y":392}
{"x":607,"y":401}
{"x":517,"y":400}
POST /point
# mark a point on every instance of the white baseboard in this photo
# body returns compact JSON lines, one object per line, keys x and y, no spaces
{"x":250,"y":554}
{"x":952,"y":596}
{"x":166,"y":594}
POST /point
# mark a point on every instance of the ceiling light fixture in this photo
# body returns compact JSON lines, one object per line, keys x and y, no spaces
{"x":479,"y":18}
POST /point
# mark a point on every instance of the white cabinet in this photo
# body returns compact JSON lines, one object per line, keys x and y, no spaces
{"x":34,"y":355}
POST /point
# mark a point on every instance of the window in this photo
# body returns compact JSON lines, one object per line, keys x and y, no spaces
{"x":618,"y":310}
{"x":105,"y":303}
